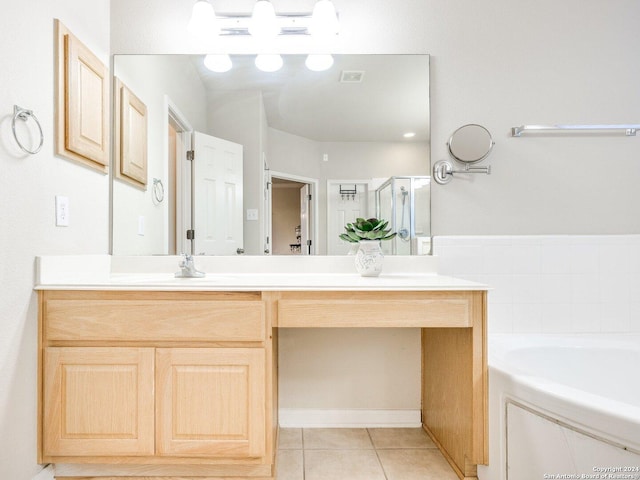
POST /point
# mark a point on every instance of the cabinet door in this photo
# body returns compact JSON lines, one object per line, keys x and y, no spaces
{"x":98,"y":401}
{"x":210,"y":402}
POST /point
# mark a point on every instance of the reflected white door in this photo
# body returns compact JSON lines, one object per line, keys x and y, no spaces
{"x":343,"y":209}
{"x":268,"y":213}
{"x":217,"y":196}
{"x":306,"y":248}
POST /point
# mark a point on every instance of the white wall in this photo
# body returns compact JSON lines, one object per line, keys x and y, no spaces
{"x":28,"y":185}
{"x":151,"y":79}
{"x":499,"y":63}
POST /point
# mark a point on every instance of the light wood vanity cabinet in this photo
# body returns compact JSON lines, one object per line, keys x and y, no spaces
{"x":155,"y":378}
{"x":183,"y":384}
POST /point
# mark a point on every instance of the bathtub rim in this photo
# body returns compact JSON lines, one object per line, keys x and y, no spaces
{"x":612,"y":421}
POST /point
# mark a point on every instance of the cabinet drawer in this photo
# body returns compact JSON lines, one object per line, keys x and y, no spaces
{"x":384,"y":309}
{"x":134,"y":320}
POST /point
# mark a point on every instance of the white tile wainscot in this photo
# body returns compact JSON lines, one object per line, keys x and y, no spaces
{"x":551,"y":283}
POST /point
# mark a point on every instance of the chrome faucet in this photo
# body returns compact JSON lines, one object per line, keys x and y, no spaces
{"x":187,"y":268}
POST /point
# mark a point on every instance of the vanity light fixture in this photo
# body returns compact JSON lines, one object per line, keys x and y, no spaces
{"x":269,"y":62}
{"x":218,"y":63}
{"x":324,"y":19}
{"x":319,"y":62}
{"x":203,"y":26}
{"x":264,"y":22}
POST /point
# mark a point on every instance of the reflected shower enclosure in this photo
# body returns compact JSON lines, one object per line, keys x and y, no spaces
{"x":405,"y":202}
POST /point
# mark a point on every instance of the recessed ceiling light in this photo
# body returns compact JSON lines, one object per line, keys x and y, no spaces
{"x":409,"y":135}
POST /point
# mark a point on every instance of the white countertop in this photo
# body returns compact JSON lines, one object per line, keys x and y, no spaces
{"x":104,"y":272}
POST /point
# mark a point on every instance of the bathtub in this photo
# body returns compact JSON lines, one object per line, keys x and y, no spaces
{"x":563,"y":406}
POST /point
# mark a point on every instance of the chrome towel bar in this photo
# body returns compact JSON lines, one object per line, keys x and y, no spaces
{"x":629,"y":130}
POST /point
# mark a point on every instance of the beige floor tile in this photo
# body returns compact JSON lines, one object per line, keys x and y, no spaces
{"x":400,"y":438}
{"x":336,"y":438}
{"x":289,"y":465}
{"x":290,"y":438}
{"x":342,"y":465}
{"x":415,"y":464}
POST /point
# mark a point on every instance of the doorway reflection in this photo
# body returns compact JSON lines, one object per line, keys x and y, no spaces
{"x":291,"y":217}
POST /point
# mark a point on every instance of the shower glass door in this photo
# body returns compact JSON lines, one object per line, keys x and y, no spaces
{"x":405,"y":202}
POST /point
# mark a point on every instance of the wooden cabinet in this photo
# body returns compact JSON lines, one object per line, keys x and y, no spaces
{"x":210,"y":402}
{"x":82,"y":102}
{"x":130,"y":132}
{"x":156,"y":378}
{"x":145,"y":384}
{"x":98,"y":401}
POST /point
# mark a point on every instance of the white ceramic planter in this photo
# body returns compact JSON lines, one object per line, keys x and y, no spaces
{"x":369,"y":258}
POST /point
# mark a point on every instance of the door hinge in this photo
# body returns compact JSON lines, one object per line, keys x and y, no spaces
{"x":191,"y":154}
{"x":309,"y":197}
{"x":309,"y":243}
{"x":191,"y":234}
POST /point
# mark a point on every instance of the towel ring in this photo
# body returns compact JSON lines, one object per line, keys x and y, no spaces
{"x":24,"y":114}
{"x":158,"y":190}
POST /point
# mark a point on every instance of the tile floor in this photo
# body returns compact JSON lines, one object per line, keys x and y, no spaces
{"x":359,"y":454}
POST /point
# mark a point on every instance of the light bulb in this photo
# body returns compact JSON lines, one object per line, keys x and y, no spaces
{"x":263,"y":24}
{"x":319,"y":62}
{"x":218,"y":63}
{"x":269,"y":62}
{"x":324,"y":19}
{"x":203,"y":27}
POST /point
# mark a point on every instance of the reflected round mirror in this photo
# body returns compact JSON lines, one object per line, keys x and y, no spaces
{"x":470,"y":143}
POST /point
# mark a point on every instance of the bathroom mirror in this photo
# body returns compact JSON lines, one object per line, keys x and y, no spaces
{"x":470,"y":143}
{"x":294,"y":129}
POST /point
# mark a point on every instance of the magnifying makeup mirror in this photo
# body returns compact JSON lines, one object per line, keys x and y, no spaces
{"x":469,"y":144}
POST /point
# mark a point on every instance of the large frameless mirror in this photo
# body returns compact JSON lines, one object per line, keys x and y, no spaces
{"x":274,"y":153}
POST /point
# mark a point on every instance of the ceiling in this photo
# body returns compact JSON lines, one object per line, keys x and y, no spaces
{"x":392,"y":99}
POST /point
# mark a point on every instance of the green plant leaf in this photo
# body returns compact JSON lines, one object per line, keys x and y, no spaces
{"x":346,"y":238}
{"x":381,"y":225}
{"x":367,"y":226}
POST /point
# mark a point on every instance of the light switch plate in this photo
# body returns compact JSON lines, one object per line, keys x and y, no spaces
{"x":62,"y":211}
{"x":252,"y":214}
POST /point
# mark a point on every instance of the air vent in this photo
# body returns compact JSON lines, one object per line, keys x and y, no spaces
{"x":351,"y":76}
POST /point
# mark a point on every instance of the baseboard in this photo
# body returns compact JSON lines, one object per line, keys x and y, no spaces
{"x":313,"y":418}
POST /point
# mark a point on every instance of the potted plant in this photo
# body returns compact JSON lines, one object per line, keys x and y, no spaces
{"x":368,"y":233}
